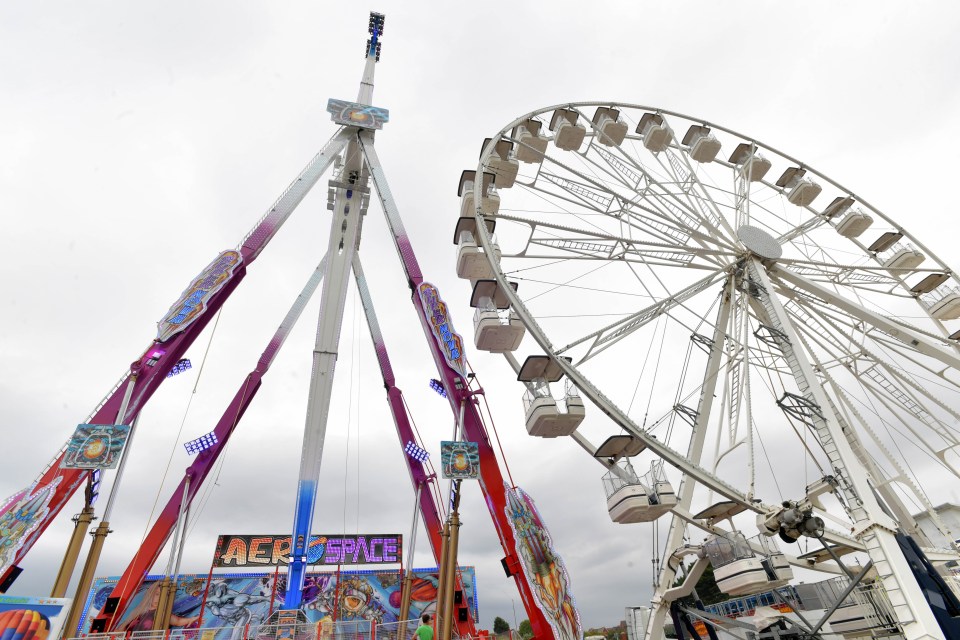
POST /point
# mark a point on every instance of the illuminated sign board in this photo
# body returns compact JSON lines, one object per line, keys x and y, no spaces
{"x":251,"y":551}
{"x":542,"y":566}
{"x":193,"y":300}
{"x":29,"y":618}
{"x":449,"y":340}
{"x":95,"y":446}
{"x":353,"y":114}
{"x":460,"y":460}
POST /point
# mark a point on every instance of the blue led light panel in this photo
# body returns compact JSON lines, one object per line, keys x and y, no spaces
{"x":202,"y":443}
{"x":437,"y":386}
{"x":416,"y":452}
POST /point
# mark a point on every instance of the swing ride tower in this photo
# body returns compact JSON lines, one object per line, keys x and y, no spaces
{"x":341,"y":247}
{"x":352,"y":154}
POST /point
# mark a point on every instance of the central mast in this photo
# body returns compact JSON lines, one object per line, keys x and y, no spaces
{"x":348,"y":189}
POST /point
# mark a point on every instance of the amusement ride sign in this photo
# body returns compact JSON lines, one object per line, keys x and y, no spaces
{"x":448,"y":339}
{"x":247,"y":551}
{"x":353,"y":114}
{"x":193,"y":300}
{"x":95,"y":446}
{"x":459,"y":460}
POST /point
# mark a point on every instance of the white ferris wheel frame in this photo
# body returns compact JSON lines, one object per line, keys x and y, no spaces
{"x":873,"y":531}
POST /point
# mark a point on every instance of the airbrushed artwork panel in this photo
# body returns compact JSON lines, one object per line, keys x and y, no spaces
{"x":28,"y":618}
{"x":236,"y":600}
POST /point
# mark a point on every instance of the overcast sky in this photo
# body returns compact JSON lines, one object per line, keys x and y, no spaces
{"x":138,"y":140}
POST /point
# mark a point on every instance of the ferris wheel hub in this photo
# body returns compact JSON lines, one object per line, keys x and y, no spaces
{"x":759,"y":242}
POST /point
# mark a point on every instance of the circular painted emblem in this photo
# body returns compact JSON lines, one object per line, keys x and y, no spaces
{"x":95,"y":448}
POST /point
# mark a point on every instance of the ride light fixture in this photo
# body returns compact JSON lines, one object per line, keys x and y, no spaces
{"x":416,"y":452}
{"x":202,"y":443}
{"x":182,"y":365}
{"x":437,"y":386}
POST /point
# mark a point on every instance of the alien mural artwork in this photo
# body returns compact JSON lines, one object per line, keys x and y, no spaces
{"x":236,"y":600}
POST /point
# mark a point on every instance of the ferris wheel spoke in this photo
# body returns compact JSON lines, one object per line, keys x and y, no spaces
{"x":617,"y":331}
{"x":882,"y":481}
{"x":905,"y":411}
{"x":629,"y":175}
{"x":920,"y":342}
{"x":671,"y":204}
{"x":651,"y":197}
{"x":742,"y":186}
{"x":697,"y":194}
{"x":814,"y":222}
{"x":871,"y":366}
{"x":580,"y":249}
{"x":890,"y":383}
{"x":576,"y":192}
{"x":902,"y":351}
{"x":637,"y":181}
{"x":843,"y":331}
{"x":639,"y":185}
{"x":912,"y":420}
{"x":870,"y":369}
{"x":581,"y":243}
{"x":870,"y":277}
{"x":644,"y":184}
{"x":649,"y":220}
{"x":901,"y":404}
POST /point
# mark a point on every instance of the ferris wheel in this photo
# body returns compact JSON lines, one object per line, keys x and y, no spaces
{"x":779,"y":360}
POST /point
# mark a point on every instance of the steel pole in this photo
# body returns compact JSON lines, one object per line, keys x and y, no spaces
{"x":442,"y":578}
{"x":101,"y":532}
{"x":81,"y":524}
{"x":86,"y":578}
{"x":342,"y":244}
{"x":408,"y":573}
{"x":161,"y":619}
{"x":450,"y":569}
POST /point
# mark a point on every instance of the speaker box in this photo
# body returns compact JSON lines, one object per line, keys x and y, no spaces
{"x":110,"y":606}
{"x":458,"y":597}
{"x":463,"y":614}
{"x":506,"y":567}
{"x":99,"y":625}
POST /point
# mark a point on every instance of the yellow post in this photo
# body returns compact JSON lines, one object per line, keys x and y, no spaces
{"x":407,"y":588}
{"x":81,"y":523}
{"x":161,"y":619}
{"x":405,"y":603}
{"x":448,"y":572}
{"x":86,"y":578}
{"x":442,"y":575}
{"x":101,"y":532}
{"x":451,"y":577}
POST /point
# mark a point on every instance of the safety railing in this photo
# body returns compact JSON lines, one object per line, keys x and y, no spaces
{"x":326,"y":630}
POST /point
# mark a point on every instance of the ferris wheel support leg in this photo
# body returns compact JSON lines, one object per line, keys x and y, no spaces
{"x":872,"y":526}
{"x":661,"y":607}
